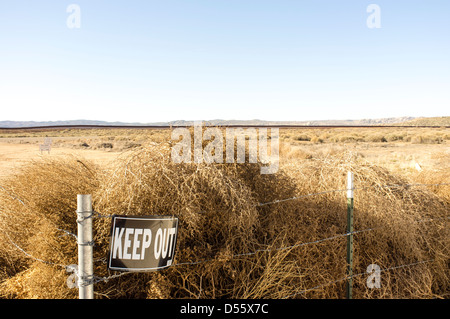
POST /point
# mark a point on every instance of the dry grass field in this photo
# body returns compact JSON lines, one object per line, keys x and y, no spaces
{"x":129,"y":171}
{"x":393,"y":148}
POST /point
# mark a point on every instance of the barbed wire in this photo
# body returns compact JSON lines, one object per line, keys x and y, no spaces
{"x":355,"y":275}
{"x":300,"y":197}
{"x":98,"y":279}
{"x":99,"y":215}
{"x":300,"y":244}
{"x":238,"y":255}
{"x":33,"y":257}
{"x":95,"y":214}
{"x":12,"y":196}
{"x":234,"y":256}
{"x":347,"y":189}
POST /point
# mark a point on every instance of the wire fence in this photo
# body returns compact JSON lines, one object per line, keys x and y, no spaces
{"x":98,"y":279}
{"x":353,"y":276}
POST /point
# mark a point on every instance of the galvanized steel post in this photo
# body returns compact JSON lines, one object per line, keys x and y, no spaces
{"x":85,"y":247}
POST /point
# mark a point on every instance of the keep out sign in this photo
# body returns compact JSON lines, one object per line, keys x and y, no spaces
{"x":142,"y":243}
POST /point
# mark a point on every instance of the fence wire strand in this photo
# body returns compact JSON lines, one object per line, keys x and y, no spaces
{"x":277,"y":249}
{"x":96,"y":214}
{"x":356,"y":275}
{"x":344,"y":190}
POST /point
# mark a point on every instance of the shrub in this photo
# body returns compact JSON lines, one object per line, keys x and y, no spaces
{"x":316,"y":139}
{"x":393,"y":137}
{"x":223,"y":226}
{"x":303,"y":137}
{"x":377,"y":138}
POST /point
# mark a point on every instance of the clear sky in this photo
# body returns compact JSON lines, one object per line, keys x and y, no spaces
{"x":148,"y":61}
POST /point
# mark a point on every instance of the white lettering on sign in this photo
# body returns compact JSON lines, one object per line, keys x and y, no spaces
{"x":136,"y":242}
{"x":147,"y":240}
{"x":118,"y":243}
{"x":164,"y":242}
{"x":128,"y":232}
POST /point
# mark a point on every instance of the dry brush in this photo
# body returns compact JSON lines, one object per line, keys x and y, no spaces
{"x":246,"y":250}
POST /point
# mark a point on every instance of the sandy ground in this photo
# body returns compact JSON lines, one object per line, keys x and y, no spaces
{"x":13,"y":155}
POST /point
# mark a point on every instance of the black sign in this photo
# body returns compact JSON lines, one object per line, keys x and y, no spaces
{"x":142,"y":243}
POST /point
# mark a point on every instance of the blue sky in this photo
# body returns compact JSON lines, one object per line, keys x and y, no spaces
{"x":148,"y":61}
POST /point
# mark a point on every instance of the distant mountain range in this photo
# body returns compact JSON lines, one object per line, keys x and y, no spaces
{"x":444,"y":121}
{"x":218,"y":122}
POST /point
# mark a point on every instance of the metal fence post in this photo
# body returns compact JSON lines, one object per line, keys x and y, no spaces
{"x":350,"y":236}
{"x":85,"y":247}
